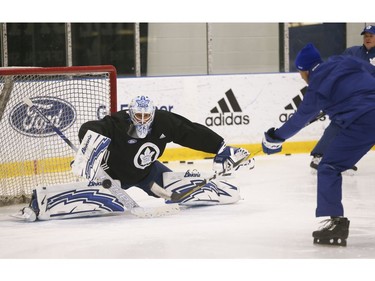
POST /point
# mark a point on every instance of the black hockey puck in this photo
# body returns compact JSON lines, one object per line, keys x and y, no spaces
{"x":107,"y":183}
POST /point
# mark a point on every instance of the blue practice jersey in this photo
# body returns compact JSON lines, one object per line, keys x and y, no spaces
{"x":362,"y":53}
{"x":343,"y":87}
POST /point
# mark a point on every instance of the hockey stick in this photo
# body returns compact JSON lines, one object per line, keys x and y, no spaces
{"x":5,"y":94}
{"x":320,"y":115}
{"x":110,"y":184}
{"x":176,"y":197}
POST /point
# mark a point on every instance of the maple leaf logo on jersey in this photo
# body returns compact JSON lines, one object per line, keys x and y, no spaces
{"x":146,"y":155}
{"x":372,"y":61}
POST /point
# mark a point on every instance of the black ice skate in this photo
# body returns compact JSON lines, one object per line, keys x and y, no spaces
{"x":335,"y":231}
{"x":315,"y":161}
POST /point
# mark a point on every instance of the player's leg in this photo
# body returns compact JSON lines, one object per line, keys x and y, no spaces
{"x":153,"y":183}
{"x":347,"y":148}
{"x":328,"y":135}
{"x":318,"y":151}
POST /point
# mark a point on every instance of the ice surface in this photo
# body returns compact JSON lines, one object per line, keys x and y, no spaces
{"x":274,"y":221}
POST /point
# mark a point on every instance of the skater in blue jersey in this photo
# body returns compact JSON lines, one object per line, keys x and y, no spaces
{"x":366,"y":52}
{"x":344,"y":88}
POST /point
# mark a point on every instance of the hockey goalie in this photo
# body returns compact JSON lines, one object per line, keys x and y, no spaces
{"x":122,"y":150}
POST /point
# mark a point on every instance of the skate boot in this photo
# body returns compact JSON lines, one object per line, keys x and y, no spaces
{"x":29,"y":213}
{"x":335,"y":231}
{"x":315,"y":162}
{"x":26,"y":214}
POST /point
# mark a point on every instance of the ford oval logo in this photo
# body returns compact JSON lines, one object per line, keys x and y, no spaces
{"x":24,"y":120}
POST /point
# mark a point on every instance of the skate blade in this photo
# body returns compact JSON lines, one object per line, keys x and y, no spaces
{"x":332,"y":241}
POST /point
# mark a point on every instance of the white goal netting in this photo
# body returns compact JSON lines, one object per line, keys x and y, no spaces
{"x":31,"y":153}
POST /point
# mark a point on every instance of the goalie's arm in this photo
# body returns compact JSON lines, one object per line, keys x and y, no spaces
{"x":189,"y":134}
{"x":98,"y":126}
{"x":199,"y":137}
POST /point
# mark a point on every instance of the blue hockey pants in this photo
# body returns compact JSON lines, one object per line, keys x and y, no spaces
{"x":343,"y":152}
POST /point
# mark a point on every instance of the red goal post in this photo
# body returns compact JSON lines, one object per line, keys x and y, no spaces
{"x":31,"y":154}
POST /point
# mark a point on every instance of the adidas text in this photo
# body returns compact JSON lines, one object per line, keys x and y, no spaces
{"x":286,"y":116}
{"x":223,"y":119}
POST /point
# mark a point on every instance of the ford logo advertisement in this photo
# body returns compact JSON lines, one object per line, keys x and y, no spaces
{"x":27,"y":122}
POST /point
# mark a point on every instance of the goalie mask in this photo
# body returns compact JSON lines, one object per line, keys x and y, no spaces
{"x":142,"y":112}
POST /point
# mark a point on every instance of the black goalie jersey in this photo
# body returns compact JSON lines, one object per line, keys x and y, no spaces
{"x":129,"y":159}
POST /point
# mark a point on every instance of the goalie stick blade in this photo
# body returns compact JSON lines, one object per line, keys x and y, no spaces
{"x":152,"y":212}
{"x":28,"y":215}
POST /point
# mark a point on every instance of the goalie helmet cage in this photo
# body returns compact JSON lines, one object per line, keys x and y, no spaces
{"x":31,"y":153}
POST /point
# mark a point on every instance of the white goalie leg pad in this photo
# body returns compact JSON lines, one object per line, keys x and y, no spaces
{"x":77,"y":199}
{"x":214,"y":192}
{"x":228,"y":192}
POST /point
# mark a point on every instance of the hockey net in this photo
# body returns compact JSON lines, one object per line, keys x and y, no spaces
{"x":31,"y":153}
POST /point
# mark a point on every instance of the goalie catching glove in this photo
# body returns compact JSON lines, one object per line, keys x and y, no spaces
{"x":229,"y":157}
{"x":270,"y":143}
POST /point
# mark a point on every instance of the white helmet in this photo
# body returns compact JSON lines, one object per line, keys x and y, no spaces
{"x":142,"y":112}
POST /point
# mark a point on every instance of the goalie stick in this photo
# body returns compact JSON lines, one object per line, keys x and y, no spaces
{"x":114,"y":187}
{"x":320,"y":115}
{"x":176,"y":197}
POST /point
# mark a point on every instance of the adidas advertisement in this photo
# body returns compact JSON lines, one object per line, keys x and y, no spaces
{"x":228,"y":112}
{"x":238,"y":107}
{"x":292,"y":107}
